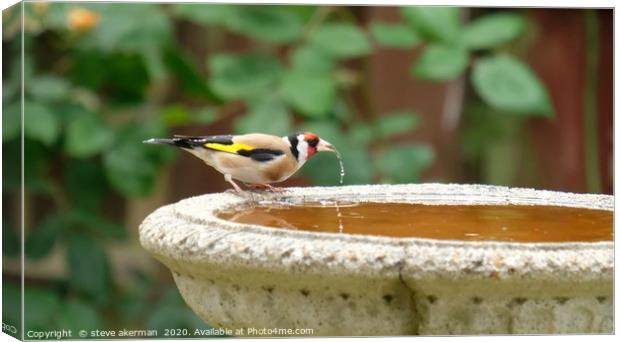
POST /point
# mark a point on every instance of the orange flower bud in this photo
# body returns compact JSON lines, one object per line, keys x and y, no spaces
{"x":81,"y":19}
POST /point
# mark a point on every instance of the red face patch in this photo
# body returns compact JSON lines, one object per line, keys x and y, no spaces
{"x":310,"y":136}
{"x":311,"y":151}
{"x":312,"y":140}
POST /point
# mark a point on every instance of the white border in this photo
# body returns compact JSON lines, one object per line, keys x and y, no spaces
{"x":473,"y":3}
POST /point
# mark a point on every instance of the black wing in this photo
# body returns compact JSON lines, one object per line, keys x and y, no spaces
{"x":222,"y":143}
{"x":261,"y":154}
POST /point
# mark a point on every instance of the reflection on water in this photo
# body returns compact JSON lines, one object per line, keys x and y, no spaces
{"x":519,"y":223}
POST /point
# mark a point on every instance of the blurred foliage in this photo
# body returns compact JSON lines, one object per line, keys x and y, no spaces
{"x":100,"y":78}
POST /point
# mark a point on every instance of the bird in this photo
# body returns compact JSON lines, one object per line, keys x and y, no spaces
{"x":255,"y":159}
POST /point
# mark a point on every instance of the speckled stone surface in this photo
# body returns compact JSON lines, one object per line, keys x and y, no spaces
{"x":246,"y":276}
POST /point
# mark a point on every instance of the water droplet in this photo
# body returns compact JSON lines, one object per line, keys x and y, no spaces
{"x":339,"y":156}
{"x":339,"y":214}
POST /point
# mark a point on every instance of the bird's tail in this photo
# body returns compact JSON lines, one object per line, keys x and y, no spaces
{"x":188,"y":143}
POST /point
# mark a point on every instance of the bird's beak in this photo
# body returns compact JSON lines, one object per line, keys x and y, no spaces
{"x":325,"y":146}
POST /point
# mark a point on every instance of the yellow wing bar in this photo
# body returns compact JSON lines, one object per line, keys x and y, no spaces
{"x":232,"y":148}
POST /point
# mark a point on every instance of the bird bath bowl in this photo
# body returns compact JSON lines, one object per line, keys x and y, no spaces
{"x":257,"y":279}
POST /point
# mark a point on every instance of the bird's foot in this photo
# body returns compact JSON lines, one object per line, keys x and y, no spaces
{"x":266,"y":187}
{"x":237,"y":190}
{"x":243,"y":194}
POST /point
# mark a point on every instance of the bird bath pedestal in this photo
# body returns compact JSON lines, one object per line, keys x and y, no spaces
{"x":243,"y":276}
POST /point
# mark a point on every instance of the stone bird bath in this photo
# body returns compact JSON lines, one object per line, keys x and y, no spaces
{"x":247,"y":276}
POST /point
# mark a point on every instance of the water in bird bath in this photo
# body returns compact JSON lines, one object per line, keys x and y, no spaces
{"x":514,"y":223}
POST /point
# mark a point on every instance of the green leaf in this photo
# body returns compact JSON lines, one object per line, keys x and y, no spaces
{"x":131,"y":166}
{"x":311,"y":93}
{"x":394,"y":35}
{"x":341,"y":110}
{"x":11,"y":121}
{"x":440,"y":63}
{"x":56,"y":16}
{"x":305,"y":12}
{"x":154,"y":62}
{"x":89,"y":68}
{"x":90,"y":221}
{"x":41,"y":240}
{"x":175,"y":115}
{"x":88,"y":135}
{"x":341,"y":40}
{"x":129,"y":170}
{"x":85,"y":171}
{"x":10,"y":88}
{"x":47,"y":88}
{"x":310,"y":58}
{"x":436,"y":23}
{"x":396,"y":123}
{"x":492,"y":30}
{"x":12,"y":77}
{"x":36,"y":167}
{"x":357,"y":164}
{"x":361,"y":134}
{"x":88,"y":267}
{"x":187,"y":75}
{"x":243,"y":76}
{"x":40,"y":307}
{"x":404,"y":163}
{"x":179,"y":115}
{"x":119,"y":31}
{"x":40,"y":123}
{"x":506,"y":83}
{"x":272,"y":24}
{"x":67,"y":112}
{"x":268,"y":116}
{"x":76,"y":315}
{"x":10,"y":241}
{"x":206,"y":14}
{"x":205,"y":116}
{"x":126,"y":80}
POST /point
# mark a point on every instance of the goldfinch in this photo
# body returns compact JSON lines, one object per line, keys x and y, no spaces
{"x":255,"y":159}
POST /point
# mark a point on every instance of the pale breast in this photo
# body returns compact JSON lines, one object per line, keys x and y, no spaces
{"x":251,"y":171}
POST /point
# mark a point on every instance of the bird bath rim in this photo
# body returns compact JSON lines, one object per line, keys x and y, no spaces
{"x":189,"y":232}
{"x":418,"y":193}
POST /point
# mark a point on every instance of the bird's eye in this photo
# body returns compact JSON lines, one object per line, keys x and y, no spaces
{"x":313,"y":142}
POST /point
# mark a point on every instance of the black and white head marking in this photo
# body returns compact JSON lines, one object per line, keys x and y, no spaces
{"x":299,"y":147}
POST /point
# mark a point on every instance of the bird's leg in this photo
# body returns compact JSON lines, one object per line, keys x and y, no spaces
{"x":228,"y":178}
{"x":266,"y":187}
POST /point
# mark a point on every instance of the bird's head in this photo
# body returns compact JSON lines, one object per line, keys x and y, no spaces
{"x":305,"y":145}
